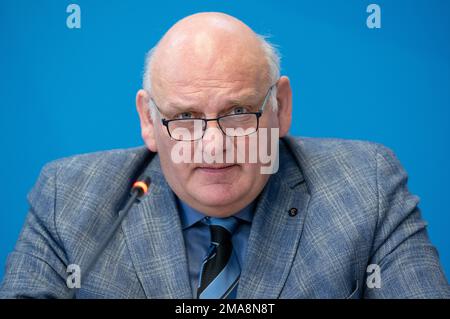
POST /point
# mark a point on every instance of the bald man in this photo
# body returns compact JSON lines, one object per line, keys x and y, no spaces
{"x":236,"y":208}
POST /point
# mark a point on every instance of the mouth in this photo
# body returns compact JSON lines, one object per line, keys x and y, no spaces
{"x":216,"y":168}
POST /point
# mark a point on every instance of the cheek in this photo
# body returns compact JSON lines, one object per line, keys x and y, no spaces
{"x":250,"y":174}
{"x":165,"y":146}
{"x":177,"y":174}
{"x":160,"y":138}
{"x":270,"y":119}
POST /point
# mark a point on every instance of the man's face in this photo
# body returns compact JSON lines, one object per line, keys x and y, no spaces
{"x":208,"y":88}
{"x":214,"y":185}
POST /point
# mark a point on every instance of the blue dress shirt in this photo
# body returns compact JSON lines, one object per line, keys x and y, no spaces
{"x":197,"y":238}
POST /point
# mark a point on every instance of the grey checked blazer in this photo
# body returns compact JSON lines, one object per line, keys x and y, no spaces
{"x":353,"y":207}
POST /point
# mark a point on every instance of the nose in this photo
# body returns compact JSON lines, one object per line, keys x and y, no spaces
{"x":214,"y":143}
{"x":213,"y":133}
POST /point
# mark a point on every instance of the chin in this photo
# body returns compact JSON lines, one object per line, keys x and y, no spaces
{"x":217,"y":195}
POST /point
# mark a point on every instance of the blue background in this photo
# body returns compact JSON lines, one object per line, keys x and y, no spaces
{"x":67,"y":91}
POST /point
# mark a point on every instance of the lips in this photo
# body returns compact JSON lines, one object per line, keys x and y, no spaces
{"x":216,"y":168}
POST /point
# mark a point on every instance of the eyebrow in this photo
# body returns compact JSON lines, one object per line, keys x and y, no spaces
{"x":250,"y":99}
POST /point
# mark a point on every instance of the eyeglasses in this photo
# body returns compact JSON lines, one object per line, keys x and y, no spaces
{"x":233,"y":125}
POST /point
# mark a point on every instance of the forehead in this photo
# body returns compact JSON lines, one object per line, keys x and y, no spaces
{"x":222,"y":70}
{"x":208,"y":97}
{"x":221,"y":83}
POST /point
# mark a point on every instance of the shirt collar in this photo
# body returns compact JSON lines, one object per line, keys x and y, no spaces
{"x":189,"y":216}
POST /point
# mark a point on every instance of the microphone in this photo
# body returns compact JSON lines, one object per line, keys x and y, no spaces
{"x":139,"y":189}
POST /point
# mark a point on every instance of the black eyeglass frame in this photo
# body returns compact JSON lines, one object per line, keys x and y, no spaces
{"x":258,"y":114}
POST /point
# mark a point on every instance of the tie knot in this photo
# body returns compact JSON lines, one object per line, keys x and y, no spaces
{"x":221,"y":228}
{"x":229,"y":223}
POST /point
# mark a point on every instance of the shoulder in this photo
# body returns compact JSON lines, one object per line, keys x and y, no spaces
{"x":95,"y":162}
{"x":335,"y":147}
{"x":78,"y":196}
{"x":334,"y":155}
{"x":347,"y":172}
{"x":94,"y":172}
{"x":87,"y":179}
{"x":89,"y":174}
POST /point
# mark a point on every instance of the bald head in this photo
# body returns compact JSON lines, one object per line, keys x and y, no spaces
{"x":206,"y":34}
{"x":210,"y":47}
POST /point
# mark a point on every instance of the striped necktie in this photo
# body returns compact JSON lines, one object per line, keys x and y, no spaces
{"x":220,"y":271}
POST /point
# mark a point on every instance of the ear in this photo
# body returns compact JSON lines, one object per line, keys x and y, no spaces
{"x":147,"y":124}
{"x":284,"y":100}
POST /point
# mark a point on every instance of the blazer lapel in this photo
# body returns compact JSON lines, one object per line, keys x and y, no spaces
{"x":276,"y":229}
{"x":155,"y":241}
